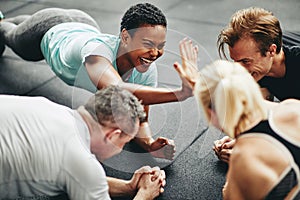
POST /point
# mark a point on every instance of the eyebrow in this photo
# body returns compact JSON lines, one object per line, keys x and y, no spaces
{"x":243,"y":59}
{"x":150,"y":41}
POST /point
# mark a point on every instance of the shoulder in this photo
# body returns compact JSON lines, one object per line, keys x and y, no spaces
{"x":255,"y":147}
{"x":250,"y":167}
{"x":289,"y":108}
{"x":290,"y":102}
{"x":288,"y":113}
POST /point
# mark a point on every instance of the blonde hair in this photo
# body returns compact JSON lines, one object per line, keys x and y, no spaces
{"x":257,"y":23}
{"x":229,"y":90}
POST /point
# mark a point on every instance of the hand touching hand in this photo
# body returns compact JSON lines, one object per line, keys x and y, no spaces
{"x":149,"y":182}
{"x":163,"y":148}
{"x":223,"y":148}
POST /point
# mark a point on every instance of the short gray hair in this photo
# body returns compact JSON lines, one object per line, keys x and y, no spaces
{"x":115,"y":105}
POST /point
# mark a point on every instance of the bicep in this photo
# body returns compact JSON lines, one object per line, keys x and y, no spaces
{"x":101,"y":71}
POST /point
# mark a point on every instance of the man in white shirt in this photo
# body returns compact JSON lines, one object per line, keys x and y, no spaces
{"x":48,"y":149}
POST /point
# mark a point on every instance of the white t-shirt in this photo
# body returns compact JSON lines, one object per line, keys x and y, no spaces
{"x":45,"y":150}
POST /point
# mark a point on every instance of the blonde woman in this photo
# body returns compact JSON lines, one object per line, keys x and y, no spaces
{"x":265,"y":160}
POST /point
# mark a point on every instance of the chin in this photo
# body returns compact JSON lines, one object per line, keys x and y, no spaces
{"x":142,"y":69}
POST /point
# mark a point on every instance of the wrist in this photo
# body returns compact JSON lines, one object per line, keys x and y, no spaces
{"x":148,"y":144}
{"x":144,"y":136}
{"x":142,"y":194}
{"x":131,"y":188}
{"x":182,"y":95}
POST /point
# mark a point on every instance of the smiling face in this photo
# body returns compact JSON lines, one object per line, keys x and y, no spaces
{"x":144,"y":46}
{"x":245,"y":51}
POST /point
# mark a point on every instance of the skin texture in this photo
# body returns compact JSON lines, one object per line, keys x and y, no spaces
{"x":254,"y":168}
{"x":108,"y":140}
{"x":245,"y":51}
{"x":257,"y":161}
{"x":256,"y":164}
{"x":144,"y":47}
{"x":139,"y":51}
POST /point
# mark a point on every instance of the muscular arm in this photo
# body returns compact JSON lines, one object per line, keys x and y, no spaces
{"x":102,"y":74}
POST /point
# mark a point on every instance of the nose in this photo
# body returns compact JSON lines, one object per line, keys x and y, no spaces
{"x":155,"y":52}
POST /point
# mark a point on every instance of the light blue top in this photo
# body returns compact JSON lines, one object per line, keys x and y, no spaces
{"x":65,"y":47}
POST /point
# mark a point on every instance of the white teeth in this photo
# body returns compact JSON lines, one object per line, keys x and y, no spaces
{"x":147,"y":61}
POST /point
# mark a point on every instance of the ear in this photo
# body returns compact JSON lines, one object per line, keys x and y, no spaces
{"x":272,"y":49}
{"x":124,"y":36}
{"x":113,"y":134}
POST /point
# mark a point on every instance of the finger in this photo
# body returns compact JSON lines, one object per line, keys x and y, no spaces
{"x":170,"y":149}
{"x":185,"y":49}
{"x":163,"y":175}
{"x":224,"y":158}
{"x":181,"y":49}
{"x":161,"y":190}
{"x":169,"y":156}
{"x":171,"y":143}
{"x":162,"y":140}
{"x":217,"y":144}
{"x":143,"y":170}
{"x":195,"y":55}
{"x":226,"y":139}
{"x":231,"y":143}
{"x":169,"y":152}
{"x":218,"y":154}
{"x":215,"y":149}
{"x":225,"y":154}
{"x":163,"y":183}
{"x":179,"y":69}
{"x":155,"y":173}
{"x":188,"y":48}
{"x":228,"y":145}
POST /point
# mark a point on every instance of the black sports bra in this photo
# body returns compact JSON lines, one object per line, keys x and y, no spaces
{"x":265,"y":128}
{"x":289,"y":181}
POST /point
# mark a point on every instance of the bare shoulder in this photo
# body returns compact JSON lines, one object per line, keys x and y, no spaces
{"x":287,"y":115}
{"x":254,"y":148}
{"x":291,"y":101}
{"x":251,"y":167}
{"x":293,"y":105}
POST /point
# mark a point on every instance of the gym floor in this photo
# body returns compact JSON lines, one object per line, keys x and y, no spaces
{"x":195,"y":173}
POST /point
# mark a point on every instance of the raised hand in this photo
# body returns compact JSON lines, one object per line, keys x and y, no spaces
{"x":187,"y":71}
